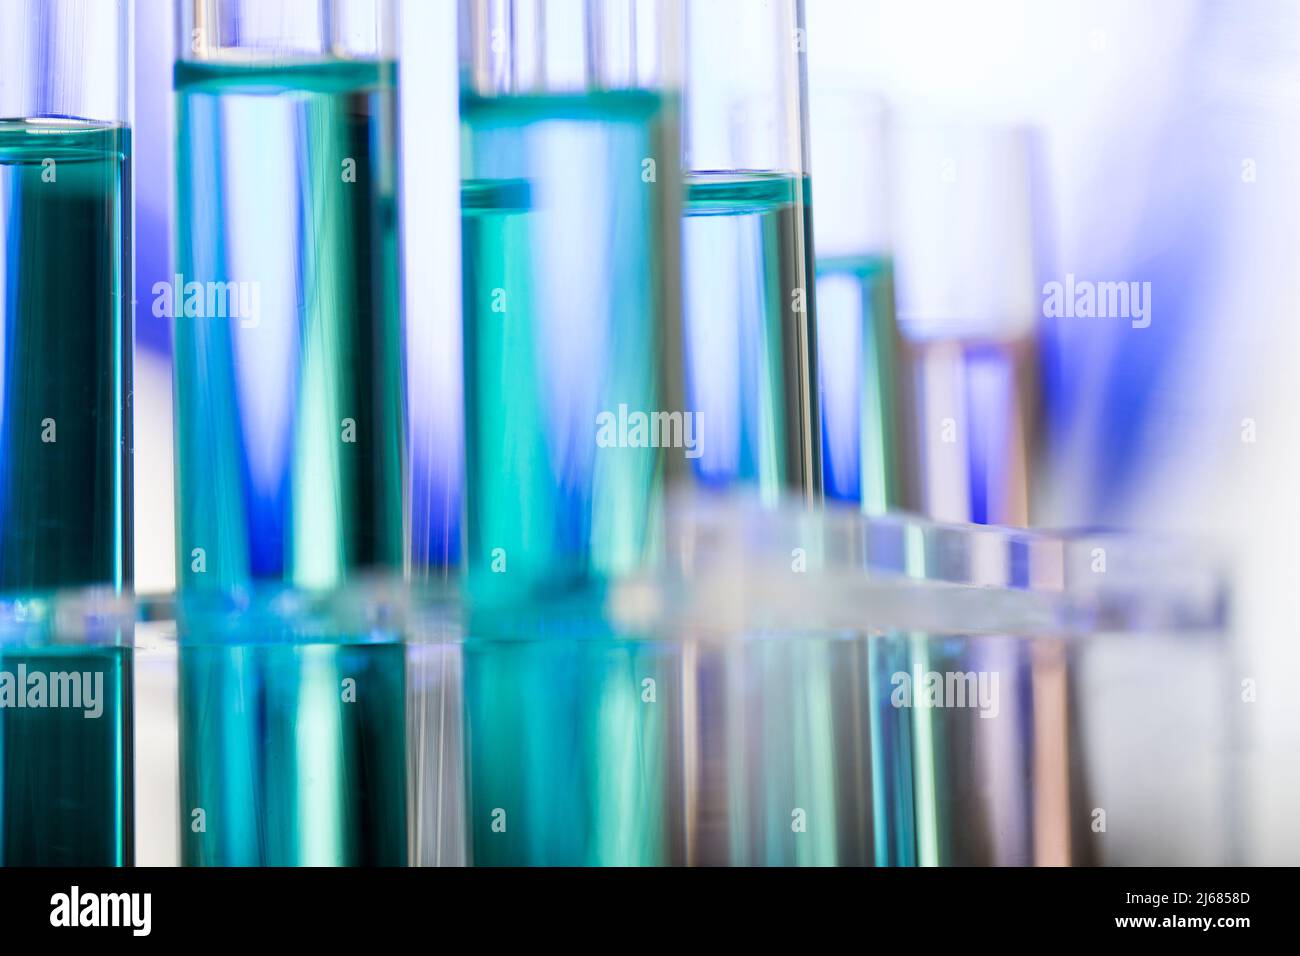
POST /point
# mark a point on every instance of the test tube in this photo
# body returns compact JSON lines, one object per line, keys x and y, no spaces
{"x":65,"y":289}
{"x":569,"y":186}
{"x":290,"y":430}
{"x":750,"y":346}
{"x":570,"y":166}
{"x":285,"y":306}
{"x":65,"y":422}
{"x":750,"y":332}
{"x":964,"y":224}
{"x":857,"y":333}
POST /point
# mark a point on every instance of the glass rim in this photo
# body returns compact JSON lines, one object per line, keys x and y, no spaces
{"x":272,"y":42}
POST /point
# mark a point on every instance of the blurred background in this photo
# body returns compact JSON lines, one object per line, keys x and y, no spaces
{"x":1154,"y":143}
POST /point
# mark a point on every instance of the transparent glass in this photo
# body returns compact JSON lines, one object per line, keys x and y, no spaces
{"x":750,"y":326}
{"x":66,"y":59}
{"x":963,"y":220}
{"x":436,"y":740}
{"x":518,"y":47}
{"x":65,"y":294}
{"x":290,"y":436}
{"x":857,"y":333}
{"x":265,"y":31}
{"x":796,"y":687}
{"x":765,"y":694}
{"x":569,"y":193}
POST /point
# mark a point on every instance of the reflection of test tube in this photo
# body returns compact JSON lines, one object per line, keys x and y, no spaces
{"x":292,"y":736}
{"x":857,"y":336}
{"x":66,"y":769}
{"x":65,"y":286}
{"x":750,"y":321}
{"x":65,"y":427}
{"x":285,"y":302}
{"x":569,"y":165}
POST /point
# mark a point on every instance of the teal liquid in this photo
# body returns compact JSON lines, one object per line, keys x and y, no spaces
{"x":568,"y":253}
{"x":573,"y":759}
{"x":859,"y":376}
{"x":65,"y":355}
{"x":66,"y":779}
{"x":565,"y":286}
{"x":65,"y":472}
{"x":290,"y":434}
{"x":751,"y":331}
{"x":286,"y":769}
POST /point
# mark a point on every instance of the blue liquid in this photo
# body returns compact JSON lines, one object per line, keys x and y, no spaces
{"x":983,"y":476}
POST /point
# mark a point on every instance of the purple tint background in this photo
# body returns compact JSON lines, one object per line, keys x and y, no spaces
{"x":1170,"y":135}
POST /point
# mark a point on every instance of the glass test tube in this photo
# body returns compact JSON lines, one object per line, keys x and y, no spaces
{"x":750,"y":332}
{"x":65,"y":421}
{"x":569,"y":218}
{"x":290,"y":433}
{"x":569,"y":164}
{"x":285,"y":302}
{"x":65,"y":289}
{"x":750,"y":344}
{"x":857,"y":334}
{"x":967,"y":309}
